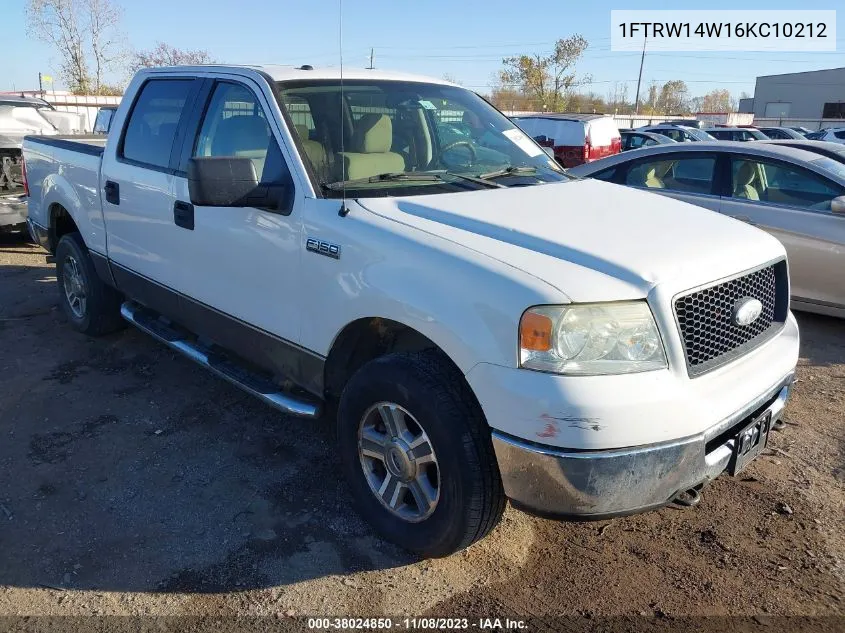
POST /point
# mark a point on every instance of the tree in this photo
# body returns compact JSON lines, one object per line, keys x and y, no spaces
{"x":80,"y":31}
{"x":166,"y":55}
{"x":547,"y":79}
{"x":104,"y":19}
{"x":715,"y":101}
{"x":673,"y":97}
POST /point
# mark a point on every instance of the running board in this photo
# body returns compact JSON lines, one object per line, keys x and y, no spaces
{"x":181,"y":341}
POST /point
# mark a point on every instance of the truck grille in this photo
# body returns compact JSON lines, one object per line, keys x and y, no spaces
{"x":706,"y":317}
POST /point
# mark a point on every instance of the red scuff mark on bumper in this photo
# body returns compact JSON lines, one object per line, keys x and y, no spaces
{"x":550,"y":429}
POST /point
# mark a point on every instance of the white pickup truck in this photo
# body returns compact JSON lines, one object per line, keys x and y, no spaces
{"x":391,"y":251}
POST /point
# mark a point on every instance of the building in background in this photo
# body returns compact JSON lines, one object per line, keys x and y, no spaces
{"x":817,"y":94}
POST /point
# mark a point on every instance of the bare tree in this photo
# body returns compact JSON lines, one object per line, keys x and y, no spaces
{"x":548,"y":79}
{"x":106,"y":48}
{"x":82,"y":32}
{"x":57,"y":22}
{"x":166,"y":55}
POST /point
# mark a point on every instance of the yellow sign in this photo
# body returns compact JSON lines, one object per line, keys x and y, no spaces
{"x":47,"y":78}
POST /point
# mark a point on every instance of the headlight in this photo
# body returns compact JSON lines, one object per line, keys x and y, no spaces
{"x":591,"y":338}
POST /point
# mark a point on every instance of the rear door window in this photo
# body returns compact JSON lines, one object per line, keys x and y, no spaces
{"x":154,"y":120}
{"x":688,"y":174}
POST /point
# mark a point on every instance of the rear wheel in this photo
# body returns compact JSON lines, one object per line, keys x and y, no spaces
{"x":91,"y":306}
{"x":416,"y":451}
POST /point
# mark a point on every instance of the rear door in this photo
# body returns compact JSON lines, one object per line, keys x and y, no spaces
{"x":687,"y":176}
{"x":137,"y":181}
{"x":793,"y":204}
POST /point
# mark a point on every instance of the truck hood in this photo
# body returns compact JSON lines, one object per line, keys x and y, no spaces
{"x":591,"y":240}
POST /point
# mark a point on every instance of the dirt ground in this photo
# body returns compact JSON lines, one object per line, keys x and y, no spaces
{"x":134,"y":483}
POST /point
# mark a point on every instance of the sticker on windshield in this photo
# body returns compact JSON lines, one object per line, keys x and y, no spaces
{"x":428,"y":105}
{"x":523,"y":142}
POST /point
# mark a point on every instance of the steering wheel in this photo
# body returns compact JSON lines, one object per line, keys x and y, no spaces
{"x":468,"y":144}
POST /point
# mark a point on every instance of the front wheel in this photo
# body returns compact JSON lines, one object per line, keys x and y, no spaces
{"x":416,"y":451}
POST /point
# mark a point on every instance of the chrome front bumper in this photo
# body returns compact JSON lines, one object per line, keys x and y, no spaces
{"x":600,"y":484}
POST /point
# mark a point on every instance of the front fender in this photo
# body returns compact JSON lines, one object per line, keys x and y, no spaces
{"x":467,"y":303}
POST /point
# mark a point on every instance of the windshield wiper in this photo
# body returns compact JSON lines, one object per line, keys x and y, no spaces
{"x":417,"y":176}
{"x":509,"y":171}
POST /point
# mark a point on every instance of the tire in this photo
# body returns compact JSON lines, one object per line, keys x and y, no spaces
{"x":432,"y":396}
{"x":98,"y":311}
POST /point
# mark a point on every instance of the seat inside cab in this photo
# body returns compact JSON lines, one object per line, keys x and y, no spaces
{"x":372,"y":140}
{"x":242,"y":136}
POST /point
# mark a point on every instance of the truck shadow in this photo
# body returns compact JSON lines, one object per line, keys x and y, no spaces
{"x":125,"y":467}
{"x":822,"y":339}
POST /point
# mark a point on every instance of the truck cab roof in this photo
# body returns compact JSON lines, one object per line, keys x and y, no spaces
{"x":279,"y":72}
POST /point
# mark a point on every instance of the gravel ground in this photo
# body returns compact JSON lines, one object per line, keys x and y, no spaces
{"x":134,"y":483}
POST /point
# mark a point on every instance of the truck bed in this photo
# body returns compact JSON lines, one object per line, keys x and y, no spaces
{"x":64,"y":171}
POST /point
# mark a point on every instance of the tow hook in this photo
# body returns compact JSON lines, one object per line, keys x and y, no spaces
{"x":687,"y":498}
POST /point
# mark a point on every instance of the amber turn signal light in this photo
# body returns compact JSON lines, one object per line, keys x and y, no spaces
{"x":535,"y":332}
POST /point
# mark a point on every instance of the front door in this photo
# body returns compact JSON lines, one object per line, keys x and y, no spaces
{"x":241,"y":264}
{"x":793,"y":204}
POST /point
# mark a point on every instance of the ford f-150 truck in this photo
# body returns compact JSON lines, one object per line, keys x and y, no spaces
{"x":478,"y":324}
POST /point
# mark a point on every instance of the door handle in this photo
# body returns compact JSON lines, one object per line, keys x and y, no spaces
{"x":112,"y":190}
{"x":744,"y":218}
{"x":183,"y":214}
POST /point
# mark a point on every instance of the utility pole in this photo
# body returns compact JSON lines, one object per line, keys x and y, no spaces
{"x":640,"y":78}
{"x":40,"y":86}
{"x":370,"y":67}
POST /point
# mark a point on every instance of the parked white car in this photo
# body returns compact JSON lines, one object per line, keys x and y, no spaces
{"x":483,"y":324}
{"x":830,"y":134}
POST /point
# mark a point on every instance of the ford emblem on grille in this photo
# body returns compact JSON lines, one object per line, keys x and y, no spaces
{"x":747,"y":310}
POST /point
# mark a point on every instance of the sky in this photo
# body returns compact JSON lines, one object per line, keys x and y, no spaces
{"x":462,"y":39}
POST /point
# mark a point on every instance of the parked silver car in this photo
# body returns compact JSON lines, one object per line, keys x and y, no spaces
{"x":679,"y":133}
{"x":797,"y":196}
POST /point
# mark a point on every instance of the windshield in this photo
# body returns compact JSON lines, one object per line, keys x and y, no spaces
{"x":830,"y":165}
{"x":701,"y":135}
{"x":395,"y":138}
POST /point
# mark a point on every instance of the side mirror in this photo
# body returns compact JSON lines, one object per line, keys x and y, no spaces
{"x":225,"y":181}
{"x":837,"y":205}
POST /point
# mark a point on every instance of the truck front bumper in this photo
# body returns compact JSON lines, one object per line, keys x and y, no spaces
{"x":594,"y":484}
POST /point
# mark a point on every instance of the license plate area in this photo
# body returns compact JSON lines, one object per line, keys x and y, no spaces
{"x":750,"y":442}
